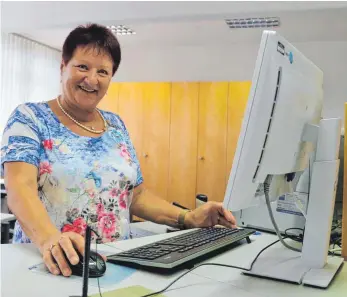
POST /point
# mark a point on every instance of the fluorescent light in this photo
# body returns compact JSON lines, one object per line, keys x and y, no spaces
{"x":121,"y":30}
{"x":266,"y":22}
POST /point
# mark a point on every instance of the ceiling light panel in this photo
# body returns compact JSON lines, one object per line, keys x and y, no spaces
{"x":121,"y":30}
{"x":267,"y":22}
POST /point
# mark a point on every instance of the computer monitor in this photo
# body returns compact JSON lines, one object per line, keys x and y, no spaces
{"x":286,"y":94}
{"x":283,"y":134}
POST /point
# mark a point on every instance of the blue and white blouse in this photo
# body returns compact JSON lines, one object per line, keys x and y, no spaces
{"x":81,"y":180}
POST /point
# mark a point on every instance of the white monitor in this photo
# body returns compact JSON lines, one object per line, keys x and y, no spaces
{"x":283,"y":133}
{"x":286,"y":94}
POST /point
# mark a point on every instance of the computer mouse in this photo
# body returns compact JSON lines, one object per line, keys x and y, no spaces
{"x":97,"y":265}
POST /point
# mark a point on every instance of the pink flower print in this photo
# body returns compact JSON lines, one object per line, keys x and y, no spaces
{"x":107,"y":225}
{"x":79,"y":226}
{"x":122,"y":201}
{"x":100,"y":208}
{"x":124,"y":152}
{"x":48,"y":144}
{"x":68,"y":228}
{"x":45,"y":167}
{"x":114,"y":192}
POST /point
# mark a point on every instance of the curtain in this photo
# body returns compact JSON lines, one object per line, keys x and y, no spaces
{"x":29,"y":73}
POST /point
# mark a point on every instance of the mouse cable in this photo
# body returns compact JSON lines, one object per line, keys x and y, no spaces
{"x":96,"y":250}
{"x":212,"y":264}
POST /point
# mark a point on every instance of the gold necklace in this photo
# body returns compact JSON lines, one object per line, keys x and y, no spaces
{"x":92,"y":129}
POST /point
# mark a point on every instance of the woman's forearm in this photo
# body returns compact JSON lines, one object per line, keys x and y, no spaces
{"x":25,"y":204}
{"x":148,"y":206}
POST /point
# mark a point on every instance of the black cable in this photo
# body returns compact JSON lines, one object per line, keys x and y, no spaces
{"x":297,"y":238}
{"x":96,"y":250}
{"x":265,"y":248}
{"x":212,"y":264}
{"x":190,"y":270}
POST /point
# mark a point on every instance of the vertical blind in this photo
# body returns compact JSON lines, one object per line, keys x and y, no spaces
{"x":29,"y":73}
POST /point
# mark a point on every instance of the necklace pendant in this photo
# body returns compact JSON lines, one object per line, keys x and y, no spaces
{"x":92,"y":128}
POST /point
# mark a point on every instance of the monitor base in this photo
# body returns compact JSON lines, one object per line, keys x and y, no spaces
{"x":285,"y":265}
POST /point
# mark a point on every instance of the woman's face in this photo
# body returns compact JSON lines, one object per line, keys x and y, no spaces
{"x":86,"y":77}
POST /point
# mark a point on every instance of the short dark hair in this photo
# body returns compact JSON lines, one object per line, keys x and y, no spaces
{"x":96,"y":36}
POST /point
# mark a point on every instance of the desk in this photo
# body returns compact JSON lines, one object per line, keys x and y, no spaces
{"x":209,"y":281}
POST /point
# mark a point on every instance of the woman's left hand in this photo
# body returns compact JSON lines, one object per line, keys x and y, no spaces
{"x":209,"y":215}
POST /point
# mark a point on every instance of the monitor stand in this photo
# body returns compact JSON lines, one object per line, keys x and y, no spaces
{"x":312,"y":266}
{"x":282,"y":264}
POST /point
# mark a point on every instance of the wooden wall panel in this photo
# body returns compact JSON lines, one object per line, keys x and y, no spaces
{"x":154,"y":158}
{"x":212,"y":139}
{"x":130,"y":109}
{"x":185,"y":134}
{"x":110,"y":100}
{"x":183,"y":143}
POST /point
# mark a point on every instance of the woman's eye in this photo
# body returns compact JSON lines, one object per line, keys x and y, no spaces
{"x":103,"y":72}
{"x":84,"y":67}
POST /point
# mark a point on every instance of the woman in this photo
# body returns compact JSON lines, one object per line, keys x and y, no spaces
{"x":67,"y":164}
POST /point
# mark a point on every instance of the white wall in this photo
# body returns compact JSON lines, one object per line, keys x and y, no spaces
{"x":232,"y":62}
{"x":332,"y":59}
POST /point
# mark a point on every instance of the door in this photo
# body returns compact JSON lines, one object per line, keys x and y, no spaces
{"x":212,"y":139}
{"x":183,"y":143}
{"x":154,"y":158}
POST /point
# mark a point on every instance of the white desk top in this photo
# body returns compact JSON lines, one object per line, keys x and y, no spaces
{"x":209,"y":281}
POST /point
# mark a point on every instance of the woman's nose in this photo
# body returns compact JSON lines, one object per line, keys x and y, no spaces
{"x":91,"y":79}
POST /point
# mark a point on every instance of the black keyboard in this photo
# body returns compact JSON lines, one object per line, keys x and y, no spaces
{"x":180,"y":249}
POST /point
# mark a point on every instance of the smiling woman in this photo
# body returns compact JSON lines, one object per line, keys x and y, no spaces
{"x":88,"y":64}
{"x":68,"y":164}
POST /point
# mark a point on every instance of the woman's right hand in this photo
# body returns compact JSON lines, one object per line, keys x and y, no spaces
{"x":58,"y":244}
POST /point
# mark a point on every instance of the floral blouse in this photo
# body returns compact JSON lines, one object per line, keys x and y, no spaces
{"x":81,"y":180}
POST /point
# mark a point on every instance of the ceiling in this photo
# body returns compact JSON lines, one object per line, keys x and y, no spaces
{"x":176,"y":23}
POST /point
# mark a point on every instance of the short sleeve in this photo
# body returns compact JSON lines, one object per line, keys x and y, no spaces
{"x":20,"y":140}
{"x":117,"y":121}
